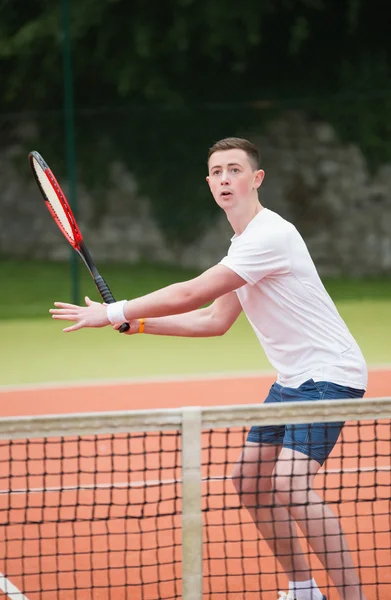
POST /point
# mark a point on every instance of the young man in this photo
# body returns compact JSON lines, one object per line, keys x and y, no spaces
{"x":268,"y":273}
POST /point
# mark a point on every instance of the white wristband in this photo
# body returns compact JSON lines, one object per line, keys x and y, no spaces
{"x":115,"y":312}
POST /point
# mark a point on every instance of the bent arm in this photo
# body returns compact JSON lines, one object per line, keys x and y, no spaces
{"x":214,"y":320}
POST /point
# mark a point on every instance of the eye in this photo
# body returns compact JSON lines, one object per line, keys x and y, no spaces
{"x":235,"y":170}
{"x":217,"y":172}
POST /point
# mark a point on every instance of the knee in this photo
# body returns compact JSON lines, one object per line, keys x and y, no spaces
{"x":243,"y":485}
{"x":239,"y":481}
{"x":249,"y":484}
{"x":282,"y":483}
{"x":290,"y":489}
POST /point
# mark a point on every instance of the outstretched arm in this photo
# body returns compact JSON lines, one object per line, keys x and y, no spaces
{"x":175,"y":299}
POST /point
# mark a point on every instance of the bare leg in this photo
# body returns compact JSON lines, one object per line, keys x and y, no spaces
{"x":294,"y":478}
{"x":252,"y":480}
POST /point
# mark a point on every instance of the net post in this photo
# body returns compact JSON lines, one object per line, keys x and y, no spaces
{"x":191,"y":504}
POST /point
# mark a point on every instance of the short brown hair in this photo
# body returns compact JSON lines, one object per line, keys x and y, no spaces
{"x":237,"y":143}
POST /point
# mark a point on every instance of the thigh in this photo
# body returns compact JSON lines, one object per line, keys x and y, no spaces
{"x":293,"y":465}
{"x":252,"y":472}
{"x":294,"y":477}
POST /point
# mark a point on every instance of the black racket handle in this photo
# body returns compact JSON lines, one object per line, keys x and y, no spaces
{"x":104,"y":290}
{"x":108,"y":297}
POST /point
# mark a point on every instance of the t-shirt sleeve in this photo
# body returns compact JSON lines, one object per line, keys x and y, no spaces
{"x":254,"y":258}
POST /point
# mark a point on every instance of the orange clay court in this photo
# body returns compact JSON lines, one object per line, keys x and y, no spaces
{"x":92,"y":559}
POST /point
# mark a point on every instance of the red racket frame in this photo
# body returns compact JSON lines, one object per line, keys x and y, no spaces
{"x":77,"y":243}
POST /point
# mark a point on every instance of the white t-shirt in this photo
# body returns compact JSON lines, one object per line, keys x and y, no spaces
{"x":292,"y":314}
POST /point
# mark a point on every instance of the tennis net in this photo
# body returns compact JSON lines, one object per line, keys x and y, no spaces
{"x":142,"y":505}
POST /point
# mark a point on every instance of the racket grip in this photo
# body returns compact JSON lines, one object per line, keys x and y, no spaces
{"x":108,"y":297}
{"x":104,"y":290}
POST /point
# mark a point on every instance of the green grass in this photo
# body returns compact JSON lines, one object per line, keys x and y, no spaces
{"x":31,"y":287}
{"x":34,"y":349}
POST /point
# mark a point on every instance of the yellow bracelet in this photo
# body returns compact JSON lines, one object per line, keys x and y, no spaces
{"x":141,"y":327}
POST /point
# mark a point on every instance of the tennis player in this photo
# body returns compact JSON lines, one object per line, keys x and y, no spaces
{"x":269,"y":274}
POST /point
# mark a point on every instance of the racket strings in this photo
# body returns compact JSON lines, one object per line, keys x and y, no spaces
{"x":52,"y":193}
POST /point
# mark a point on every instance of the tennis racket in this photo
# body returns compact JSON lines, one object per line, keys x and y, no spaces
{"x":62,"y":214}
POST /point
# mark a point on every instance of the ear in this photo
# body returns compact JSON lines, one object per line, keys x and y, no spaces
{"x":208,"y":181}
{"x":258,"y":178}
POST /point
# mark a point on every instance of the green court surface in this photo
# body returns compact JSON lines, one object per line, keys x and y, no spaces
{"x":36,"y":350}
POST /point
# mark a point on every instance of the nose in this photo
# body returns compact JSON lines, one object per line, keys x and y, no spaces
{"x":224,"y":178}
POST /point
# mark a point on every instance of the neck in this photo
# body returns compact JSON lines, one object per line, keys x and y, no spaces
{"x":239,"y":218}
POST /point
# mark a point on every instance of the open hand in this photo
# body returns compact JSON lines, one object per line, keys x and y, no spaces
{"x":94,"y":314}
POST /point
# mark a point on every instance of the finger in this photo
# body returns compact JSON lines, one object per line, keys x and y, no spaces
{"x":65,"y":305}
{"x":66,"y":317}
{"x":88,"y":301}
{"x":116,"y":327}
{"x":75,"y":327}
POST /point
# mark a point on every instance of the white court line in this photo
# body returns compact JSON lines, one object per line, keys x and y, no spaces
{"x":189,"y":377}
{"x":159,"y":482}
{"x":10,"y":589}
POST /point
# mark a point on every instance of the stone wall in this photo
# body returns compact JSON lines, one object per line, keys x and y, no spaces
{"x":323,"y":186}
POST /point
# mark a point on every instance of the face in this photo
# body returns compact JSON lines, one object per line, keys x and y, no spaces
{"x":232,"y":177}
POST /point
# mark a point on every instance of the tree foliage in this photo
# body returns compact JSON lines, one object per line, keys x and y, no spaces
{"x":145,"y":73}
{"x":178,"y":51}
